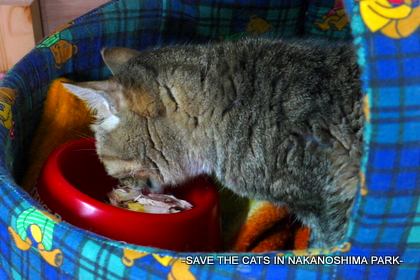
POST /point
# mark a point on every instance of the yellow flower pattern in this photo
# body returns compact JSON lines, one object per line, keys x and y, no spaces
{"x":395,"y":19}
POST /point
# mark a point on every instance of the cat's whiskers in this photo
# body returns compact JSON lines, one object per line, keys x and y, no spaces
{"x":81,"y":134}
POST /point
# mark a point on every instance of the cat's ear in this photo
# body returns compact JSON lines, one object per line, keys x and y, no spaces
{"x":101,"y":97}
{"x":114,"y":58}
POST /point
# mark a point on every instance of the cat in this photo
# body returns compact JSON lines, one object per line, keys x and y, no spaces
{"x":276,"y":120}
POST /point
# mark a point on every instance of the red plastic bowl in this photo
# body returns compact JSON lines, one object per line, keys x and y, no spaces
{"x":74,"y":183}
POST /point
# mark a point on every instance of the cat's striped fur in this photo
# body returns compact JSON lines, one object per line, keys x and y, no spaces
{"x":270,"y":119}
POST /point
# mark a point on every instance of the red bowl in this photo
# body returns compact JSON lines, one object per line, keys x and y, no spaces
{"x":74,"y":184}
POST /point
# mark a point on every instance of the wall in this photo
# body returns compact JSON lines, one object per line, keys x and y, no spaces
{"x":16,"y":34}
{"x":58,"y":12}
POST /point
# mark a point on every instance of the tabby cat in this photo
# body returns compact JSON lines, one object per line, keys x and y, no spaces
{"x":272,"y":120}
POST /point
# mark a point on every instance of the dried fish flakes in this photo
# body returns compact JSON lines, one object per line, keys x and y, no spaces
{"x":136,"y":200}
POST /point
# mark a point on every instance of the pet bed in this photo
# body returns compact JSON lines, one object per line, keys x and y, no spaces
{"x":385,"y":217}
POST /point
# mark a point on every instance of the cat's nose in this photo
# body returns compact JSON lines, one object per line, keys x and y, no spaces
{"x":133,"y":183}
{"x":148,"y":184}
{"x":154,"y":186}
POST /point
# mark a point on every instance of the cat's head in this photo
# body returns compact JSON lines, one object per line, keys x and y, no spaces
{"x":134,"y":138}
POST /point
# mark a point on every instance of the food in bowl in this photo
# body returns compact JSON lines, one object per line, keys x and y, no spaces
{"x":140,"y":201}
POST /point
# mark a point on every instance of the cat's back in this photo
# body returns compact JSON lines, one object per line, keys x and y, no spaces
{"x":297,"y":77}
{"x":312,"y":53}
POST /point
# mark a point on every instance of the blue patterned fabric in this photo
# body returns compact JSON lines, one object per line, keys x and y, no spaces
{"x":386,"y":216}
